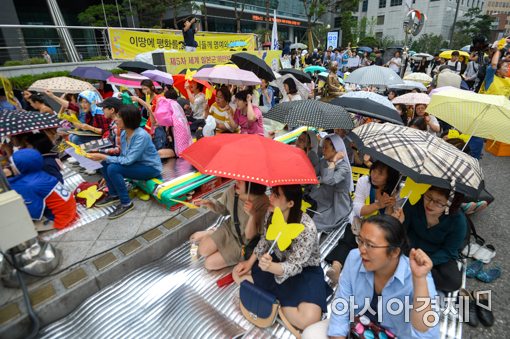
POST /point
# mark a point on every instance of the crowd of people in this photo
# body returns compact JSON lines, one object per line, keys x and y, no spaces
{"x":386,"y":251}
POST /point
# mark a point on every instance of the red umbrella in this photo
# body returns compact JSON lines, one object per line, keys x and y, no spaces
{"x":251,"y":158}
{"x":180,"y":80}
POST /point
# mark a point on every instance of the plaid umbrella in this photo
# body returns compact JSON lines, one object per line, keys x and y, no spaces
{"x":18,"y":122}
{"x":250,"y":62}
{"x":312,"y":113}
{"x":374,"y":75}
{"x":420,"y":155}
{"x":61,"y":85}
{"x":369,"y":104}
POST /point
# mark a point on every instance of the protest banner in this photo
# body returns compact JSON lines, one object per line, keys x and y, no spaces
{"x":126,"y":44}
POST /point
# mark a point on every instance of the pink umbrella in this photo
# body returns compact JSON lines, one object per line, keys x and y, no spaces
{"x":228,"y":76}
{"x":123,"y":81}
{"x":412,"y":99}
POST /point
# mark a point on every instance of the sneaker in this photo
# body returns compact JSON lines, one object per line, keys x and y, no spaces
{"x":72,"y":161}
{"x":121,"y":210}
{"x":485,"y":254}
{"x":473,"y":269}
{"x":471,"y":249}
{"x":489,"y":275}
{"x":90,"y":172}
{"x":108,"y":201}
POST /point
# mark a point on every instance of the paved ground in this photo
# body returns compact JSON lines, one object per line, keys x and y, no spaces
{"x":493,"y":225}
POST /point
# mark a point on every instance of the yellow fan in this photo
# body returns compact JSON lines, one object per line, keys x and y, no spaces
{"x":77,"y":149}
{"x":208,"y":93}
{"x":185,"y":203}
{"x":282,"y":232}
{"x":413,"y":190}
{"x":305,"y":206}
{"x":189,"y":75}
{"x":91,"y":195}
{"x":70,"y":117}
{"x":454,"y":134}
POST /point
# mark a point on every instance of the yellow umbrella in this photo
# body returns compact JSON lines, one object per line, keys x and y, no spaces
{"x":481,"y":115}
{"x":448,"y":55}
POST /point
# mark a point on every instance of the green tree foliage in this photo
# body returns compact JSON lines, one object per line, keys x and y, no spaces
{"x":94,"y":15}
{"x":369,"y":41}
{"x":150,"y":12}
{"x":429,"y":43}
{"x":475,"y":23}
{"x":348,"y":23}
{"x":461,"y":39}
{"x":314,"y":9}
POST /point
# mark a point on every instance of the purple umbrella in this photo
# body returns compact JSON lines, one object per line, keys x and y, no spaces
{"x":228,"y":76}
{"x":89,"y":72}
{"x":159,"y":76}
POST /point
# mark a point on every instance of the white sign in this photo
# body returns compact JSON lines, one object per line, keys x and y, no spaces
{"x":332,"y":40}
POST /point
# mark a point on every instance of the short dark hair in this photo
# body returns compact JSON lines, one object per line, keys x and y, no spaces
{"x":130,"y":116}
{"x":242,"y":95}
{"x":393,"y":176}
{"x":457,"y":200}
{"x":171,"y":93}
{"x":200,"y":86}
{"x":292,"y":193}
{"x":394,"y":232}
{"x":226,"y":93}
{"x":419,"y":122}
{"x":455,"y":53}
{"x":292,"y":85}
{"x":37,"y":98}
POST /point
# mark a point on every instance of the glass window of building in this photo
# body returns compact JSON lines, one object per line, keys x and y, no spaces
{"x":382,"y":3}
{"x":380,"y":19}
{"x":394,"y":3}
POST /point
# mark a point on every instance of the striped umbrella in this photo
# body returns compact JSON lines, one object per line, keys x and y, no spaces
{"x":412,"y":99}
{"x":18,"y":122}
{"x":417,"y":154}
{"x":482,"y":115}
{"x":311,"y":113}
{"x":369,"y":104}
{"x":374,"y":75}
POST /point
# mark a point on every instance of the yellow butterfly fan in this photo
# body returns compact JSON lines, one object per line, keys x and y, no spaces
{"x":281,"y":232}
{"x":305,"y":206}
{"x":208,"y":93}
{"x":189,"y":75}
{"x":91,"y":195}
{"x":413,"y":191}
{"x":454,"y":134}
{"x":77,"y":149}
{"x":185,"y":203}
{"x":69,"y":117}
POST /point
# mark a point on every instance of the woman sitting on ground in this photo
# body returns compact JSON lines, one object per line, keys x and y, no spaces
{"x":373,"y":196}
{"x":223,"y":247}
{"x":247,"y":118}
{"x":91,"y":118}
{"x":221,"y":111}
{"x":333,"y":195}
{"x":294,"y":275}
{"x":138,"y":160}
{"x":431,"y":121}
{"x":379,"y":271}
{"x":440,"y":234}
{"x":40,"y":105}
{"x":291,"y":92}
{"x":198,"y":104}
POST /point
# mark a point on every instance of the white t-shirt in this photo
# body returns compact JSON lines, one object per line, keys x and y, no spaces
{"x":454,"y":66}
{"x":394,"y":67}
{"x":198,"y":107}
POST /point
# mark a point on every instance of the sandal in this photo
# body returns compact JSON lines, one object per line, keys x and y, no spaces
{"x":490,"y":275}
{"x":288,"y":325}
{"x":485,"y":254}
{"x":474,"y":268}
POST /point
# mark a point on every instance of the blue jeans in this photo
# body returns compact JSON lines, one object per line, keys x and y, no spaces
{"x":476,"y":147}
{"x":80,"y":139}
{"x":114,"y":175}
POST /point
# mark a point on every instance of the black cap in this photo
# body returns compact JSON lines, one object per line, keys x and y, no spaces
{"x":111,"y":103}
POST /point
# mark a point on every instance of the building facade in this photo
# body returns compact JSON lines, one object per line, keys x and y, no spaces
{"x":385,"y":18}
{"x":500,"y":10}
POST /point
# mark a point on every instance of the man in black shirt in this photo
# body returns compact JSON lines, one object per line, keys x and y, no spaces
{"x":188,"y":33}
{"x":378,"y":58}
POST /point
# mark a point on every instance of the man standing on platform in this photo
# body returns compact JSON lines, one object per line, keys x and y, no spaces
{"x":188,"y":33}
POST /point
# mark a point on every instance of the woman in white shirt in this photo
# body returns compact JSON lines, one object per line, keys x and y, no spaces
{"x":396,"y":62}
{"x":291,"y":91}
{"x":433,"y":126}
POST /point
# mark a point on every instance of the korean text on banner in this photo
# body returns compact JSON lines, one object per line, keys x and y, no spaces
{"x":126,"y":44}
{"x":176,"y":62}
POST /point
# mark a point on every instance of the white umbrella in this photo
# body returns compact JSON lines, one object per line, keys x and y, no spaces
{"x":303,"y":91}
{"x":419,"y":77}
{"x":412,"y":99}
{"x":374,"y":75}
{"x":228,"y":76}
{"x":410,"y":85}
{"x":419,"y":56}
{"x":298,"y":45}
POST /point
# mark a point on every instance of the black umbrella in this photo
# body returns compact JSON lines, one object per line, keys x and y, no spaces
{"x":136,"y":66}
{"x":299,"y":75}
{"x":88,"y":72}
{"x":250,"y":62}
{"x":311,"y":113}
{"x":18,"y":122}
{"x":367,"y":104}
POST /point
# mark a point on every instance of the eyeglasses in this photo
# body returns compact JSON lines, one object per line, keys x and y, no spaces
{"x":368,"y":246}
{"x":435,"y":203}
